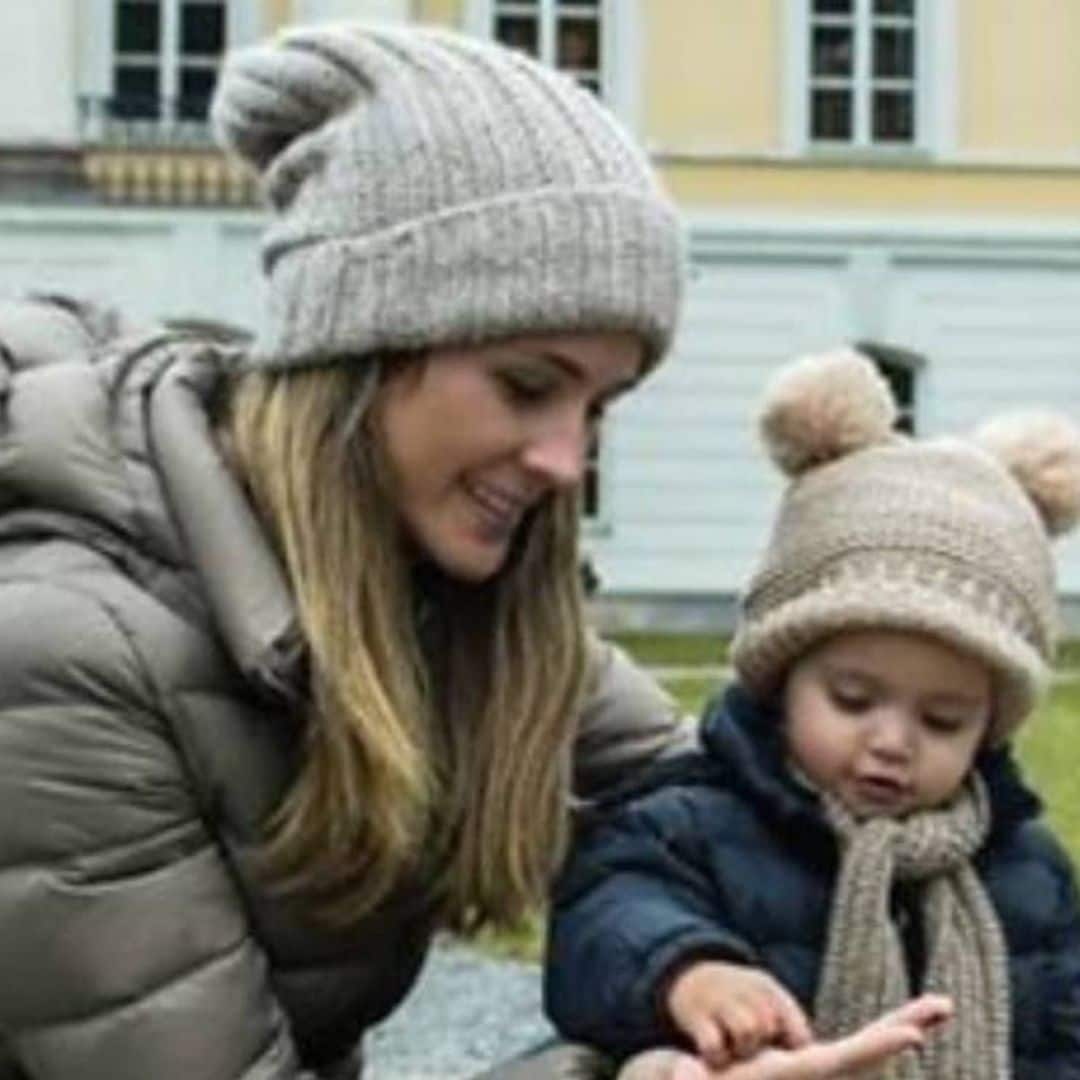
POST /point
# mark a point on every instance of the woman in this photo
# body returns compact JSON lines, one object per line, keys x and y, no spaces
{"x":292,"y":660}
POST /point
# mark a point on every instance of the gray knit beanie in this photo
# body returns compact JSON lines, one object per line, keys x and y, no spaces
{"x":433,"y":189}
{"x":948,"y":537}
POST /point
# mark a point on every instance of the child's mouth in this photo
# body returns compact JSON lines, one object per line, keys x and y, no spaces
{"x":880,"y":791}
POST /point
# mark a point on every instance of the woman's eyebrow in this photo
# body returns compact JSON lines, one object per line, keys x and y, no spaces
{"x":579,"y":373}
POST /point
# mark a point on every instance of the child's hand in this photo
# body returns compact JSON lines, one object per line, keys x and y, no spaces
{"x":869,"y":1048}
{"x":729,"y":1011}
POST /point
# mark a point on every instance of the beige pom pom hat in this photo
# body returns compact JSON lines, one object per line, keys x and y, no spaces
{"x":947,"y":536}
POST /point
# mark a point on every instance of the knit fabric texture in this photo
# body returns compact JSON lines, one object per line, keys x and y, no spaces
{"x":864,"y":971}
{"x":931,"y":536}
{"x":431,"y":189}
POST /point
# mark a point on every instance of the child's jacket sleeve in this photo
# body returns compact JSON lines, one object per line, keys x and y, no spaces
{"x":634,"y":905}
{"x":1035,"y":892}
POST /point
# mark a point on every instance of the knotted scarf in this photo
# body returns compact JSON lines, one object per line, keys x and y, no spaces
{"x":864,"y":971}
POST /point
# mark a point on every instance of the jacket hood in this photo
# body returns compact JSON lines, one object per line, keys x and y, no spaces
{"x":109,"y":443}
{"x":744,"y":739}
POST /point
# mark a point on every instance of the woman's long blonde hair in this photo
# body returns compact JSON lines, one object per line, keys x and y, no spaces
{"x":437,"y":740}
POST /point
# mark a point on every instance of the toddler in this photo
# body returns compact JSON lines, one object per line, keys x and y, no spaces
{"x":856,"y":831}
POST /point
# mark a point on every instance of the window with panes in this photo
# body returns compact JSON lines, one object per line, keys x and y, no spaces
{"x":568,"y":34}
{"x":863,"y":72}
{"x":166,"y":55}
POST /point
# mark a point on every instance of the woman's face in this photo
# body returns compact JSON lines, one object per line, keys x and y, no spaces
{"x":475,"y":437}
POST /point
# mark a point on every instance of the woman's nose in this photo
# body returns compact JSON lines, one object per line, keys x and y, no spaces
{"x":557,"y":453}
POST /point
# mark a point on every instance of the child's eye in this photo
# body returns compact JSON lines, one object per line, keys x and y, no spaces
{"x":850,"y":700}
{"x":943,"y":725}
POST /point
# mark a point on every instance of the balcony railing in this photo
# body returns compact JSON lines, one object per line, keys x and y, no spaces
{"x":144,"y":123}
{"x":156,"y":151}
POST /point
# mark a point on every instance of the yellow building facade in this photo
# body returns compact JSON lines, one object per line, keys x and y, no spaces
{"x":715,"y":103}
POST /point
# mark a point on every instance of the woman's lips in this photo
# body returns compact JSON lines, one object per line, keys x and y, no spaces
{"x":499,"y":510}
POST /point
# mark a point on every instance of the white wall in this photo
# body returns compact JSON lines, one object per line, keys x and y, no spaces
{"x":38,"y":59}
{"x":688,"y":493}
{"x":150,"y":263}
{"x":995,"y":308}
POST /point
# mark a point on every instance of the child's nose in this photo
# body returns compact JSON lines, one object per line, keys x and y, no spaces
{"x":891,"y":736}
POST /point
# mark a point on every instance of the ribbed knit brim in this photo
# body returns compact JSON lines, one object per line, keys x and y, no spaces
{"x":765,"y":649}
{"x":551,"y":262}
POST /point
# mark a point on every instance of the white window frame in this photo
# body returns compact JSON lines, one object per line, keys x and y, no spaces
{"x":934,"y":91}
{"x":620,"y":47}
{"x":244,"y":24}
{"x":169,"y":59}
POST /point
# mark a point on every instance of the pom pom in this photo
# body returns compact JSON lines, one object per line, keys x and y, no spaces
{"x":1042,"y":451}
{"x":824,"y":406}
{"x":268,"y":95}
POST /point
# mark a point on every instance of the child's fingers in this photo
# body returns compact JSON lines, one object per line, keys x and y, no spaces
{"x":708,"y":1038}
{"x":663,"y":1064}
{"x":749,"y":1026}
{"x":926,"y":1013}
{"x":793,"y":1028}
{"x":688,"y":1068}
{"x":870,"y":1047}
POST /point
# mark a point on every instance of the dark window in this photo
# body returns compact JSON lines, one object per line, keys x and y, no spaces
{"x":568,"y":34}
{"x":590,"y":488}
{"x":519,"y":32}
{"x":863,"y":72}
{"x":895,"y":7}
{"x":833,"y":51}
{"x":832,"y":114}
{"x":202,"y":29}
{"x":138,"y":92}
{"x":901,"y":368}
{"x":196,"y":89}
{"x":138,"y":27}
{"x":894,"y":120}
{"x":165,"y":65}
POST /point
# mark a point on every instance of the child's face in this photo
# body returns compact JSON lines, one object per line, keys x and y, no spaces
{"x":889,"y":722}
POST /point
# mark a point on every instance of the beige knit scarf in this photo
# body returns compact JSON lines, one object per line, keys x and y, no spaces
{"x":864,"y":972}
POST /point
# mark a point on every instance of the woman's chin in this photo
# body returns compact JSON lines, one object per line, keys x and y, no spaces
{"x":470,"y":562}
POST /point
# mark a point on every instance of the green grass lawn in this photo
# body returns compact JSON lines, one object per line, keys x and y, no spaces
{"x":1048,"y":747}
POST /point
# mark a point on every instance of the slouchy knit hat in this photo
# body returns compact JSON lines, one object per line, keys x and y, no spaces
{"x":948,"y":537}
{"x":432,"y":189}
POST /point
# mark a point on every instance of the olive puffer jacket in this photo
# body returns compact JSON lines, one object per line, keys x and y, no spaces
{"x":149,"y":674}
{"x":728,"y":856}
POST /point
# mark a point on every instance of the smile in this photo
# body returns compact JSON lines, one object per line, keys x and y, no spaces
{"x":499,"y":511}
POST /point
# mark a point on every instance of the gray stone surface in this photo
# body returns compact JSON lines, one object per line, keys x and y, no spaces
{"x":467,"y":1012}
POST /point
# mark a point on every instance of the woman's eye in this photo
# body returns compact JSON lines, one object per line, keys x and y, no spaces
{"x":524,"y":389}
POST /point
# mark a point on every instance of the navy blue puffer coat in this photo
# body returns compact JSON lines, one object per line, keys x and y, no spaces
{"x":726,"y":856}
